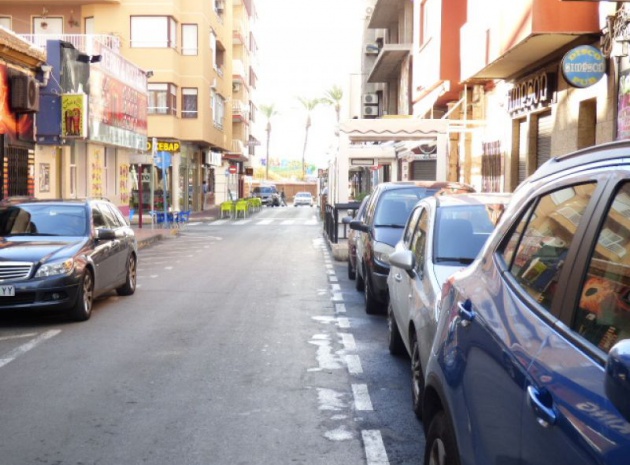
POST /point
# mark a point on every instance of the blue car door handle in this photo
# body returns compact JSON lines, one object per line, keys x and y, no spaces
{"x":545,"y":416}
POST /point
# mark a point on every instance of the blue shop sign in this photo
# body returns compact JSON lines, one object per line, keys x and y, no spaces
{"x":583,"y":66}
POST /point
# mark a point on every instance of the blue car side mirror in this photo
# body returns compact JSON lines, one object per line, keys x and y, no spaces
{"x":617,"y":382}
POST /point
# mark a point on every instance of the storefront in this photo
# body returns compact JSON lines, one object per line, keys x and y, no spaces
{"x":19,"y":100}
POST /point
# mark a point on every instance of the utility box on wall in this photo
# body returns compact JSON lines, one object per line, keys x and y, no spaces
{"x":24,"y":94}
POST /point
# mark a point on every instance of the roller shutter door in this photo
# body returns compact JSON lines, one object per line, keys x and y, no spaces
{"x":522,"y":151}
{"x":424,"y":170}
{"x":543,"y":144}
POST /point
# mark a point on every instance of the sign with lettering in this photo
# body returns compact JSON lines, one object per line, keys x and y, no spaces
{"x":583,"y":66}
{"x":171,"y":146}
{"x":531,"y":93}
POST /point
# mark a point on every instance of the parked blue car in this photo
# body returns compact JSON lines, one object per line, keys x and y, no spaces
{"x":531,"y":359}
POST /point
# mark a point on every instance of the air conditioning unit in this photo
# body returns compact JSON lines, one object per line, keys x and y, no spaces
{"x":24,"y":94}
{"x":371,"y":49}
{"x":370,"y":99}
{"x":370,"y":110}
{"x":220,"y":5}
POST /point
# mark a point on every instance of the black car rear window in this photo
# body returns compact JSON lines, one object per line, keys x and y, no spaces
{"x":395,"y":205}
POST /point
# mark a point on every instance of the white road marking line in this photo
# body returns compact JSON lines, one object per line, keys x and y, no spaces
{"x":348,"y":341}
{"x":223,"y":221}
{"x":340,"y":308}
{"x":265,"y":222}
{"x":168,"y":267}
{"x":337,"y":297}
{"x":333,"y":279}
{"x":343,"y":322}
{"x":374,"y":447}
{"x":17,"y":336}
{"x":362,"y":399}
{"x":287,"y":222}
{"x":12,"y":355}
{"x":335,"y":287}
{"x":353,"y":362}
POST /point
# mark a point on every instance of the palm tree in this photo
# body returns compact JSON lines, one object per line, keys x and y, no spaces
{"x":309,"y":105}
{"x":333,"y":98}
{"x":269,"y":111}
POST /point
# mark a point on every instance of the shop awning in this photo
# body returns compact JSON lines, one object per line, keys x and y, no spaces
{"x":393,"y":129}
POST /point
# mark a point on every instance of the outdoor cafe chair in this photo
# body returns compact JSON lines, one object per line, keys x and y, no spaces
{"x":227,"y":209}
{"x":241,"y":207}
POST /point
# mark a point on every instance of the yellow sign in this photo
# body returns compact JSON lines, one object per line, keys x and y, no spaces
{"x":172,"y":146}
{"x":73,"y":115}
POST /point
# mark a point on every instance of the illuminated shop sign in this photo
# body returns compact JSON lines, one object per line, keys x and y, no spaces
{"x":583,"y":66}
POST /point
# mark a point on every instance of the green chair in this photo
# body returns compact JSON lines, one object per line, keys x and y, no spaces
{"x":227,"y":209}
{"x":241,"y":207}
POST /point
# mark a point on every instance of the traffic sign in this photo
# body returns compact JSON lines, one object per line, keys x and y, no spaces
{"x":232,"y":169}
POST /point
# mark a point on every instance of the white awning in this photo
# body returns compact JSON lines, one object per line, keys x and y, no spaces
{"x":393,"y":129}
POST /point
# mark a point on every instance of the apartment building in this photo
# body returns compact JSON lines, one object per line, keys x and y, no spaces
{"x":244,"y":78}
{"x":184,"y":49}
{"x":509,"y":82}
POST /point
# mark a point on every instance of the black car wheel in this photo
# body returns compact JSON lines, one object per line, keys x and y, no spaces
{"x":82,"y":310}
{"x":395,"y":342}
{"x":417,"y":378}
{"x":130,"y":282}
{"x":371,"y":304}
{"x":441,"y":448}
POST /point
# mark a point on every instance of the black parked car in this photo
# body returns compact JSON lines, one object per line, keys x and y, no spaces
{"x":62,"y":254}
{"x":385,"y":218}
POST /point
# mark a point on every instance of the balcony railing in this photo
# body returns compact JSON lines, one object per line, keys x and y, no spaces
{"x":82,"y":42}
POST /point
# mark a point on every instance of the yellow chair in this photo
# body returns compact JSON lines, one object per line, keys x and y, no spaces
{"x":241,"y":207}
{"x":227,"y":209}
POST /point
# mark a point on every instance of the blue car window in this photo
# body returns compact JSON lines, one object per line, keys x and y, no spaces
{"x":544,"y":242}
{"x":604,"y":309}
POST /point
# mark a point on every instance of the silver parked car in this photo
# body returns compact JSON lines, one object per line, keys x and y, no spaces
{"x":442,"y":235}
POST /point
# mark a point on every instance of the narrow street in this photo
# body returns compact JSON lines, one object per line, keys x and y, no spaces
{"x":244,"y":343}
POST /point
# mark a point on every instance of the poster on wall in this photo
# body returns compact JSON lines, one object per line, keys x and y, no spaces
{"x":623,"y":108}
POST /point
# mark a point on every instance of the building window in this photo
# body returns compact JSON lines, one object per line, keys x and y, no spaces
{"x":217,"y":104}
{"x":190,"y":44}
{"x":153,"y":32}
{"x":162,"y":98}
{"x":5,"y":22}
{"x":189,"y":102}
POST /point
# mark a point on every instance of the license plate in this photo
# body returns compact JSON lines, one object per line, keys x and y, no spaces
{"x":7,"y":291}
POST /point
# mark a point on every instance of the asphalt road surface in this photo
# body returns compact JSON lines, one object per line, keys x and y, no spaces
{"x":244,"y":344}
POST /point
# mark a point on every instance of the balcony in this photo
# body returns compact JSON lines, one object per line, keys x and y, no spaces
{"x":388,"y":63}
{"x":385,"y":14}
{"x":82,"y":42}
{"x":523,"y":33}
{"x":240,"y":111}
